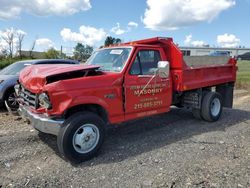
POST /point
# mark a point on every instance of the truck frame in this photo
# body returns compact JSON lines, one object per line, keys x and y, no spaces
{"x":121,"y":83}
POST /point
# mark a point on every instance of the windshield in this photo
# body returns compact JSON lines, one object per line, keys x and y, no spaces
{"x":14,"y":69}
{"x":112,"y":59}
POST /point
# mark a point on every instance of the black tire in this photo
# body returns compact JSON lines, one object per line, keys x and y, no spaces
{"x":10,"y":100}
{"x":179,"y":105}
{"x":211,"y":106}
{"x":197,"y":113}
{"x":72,"y":127}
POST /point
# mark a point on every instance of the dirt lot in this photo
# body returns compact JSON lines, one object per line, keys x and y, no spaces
{"x":168,"y":150}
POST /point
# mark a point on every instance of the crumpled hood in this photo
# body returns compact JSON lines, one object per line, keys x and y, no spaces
{"x":34,"y":77}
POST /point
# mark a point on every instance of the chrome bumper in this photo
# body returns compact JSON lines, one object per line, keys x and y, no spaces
{"x":41,"y":122}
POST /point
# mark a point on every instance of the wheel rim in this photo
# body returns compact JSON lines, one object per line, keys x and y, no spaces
{"x":11,"y":101}
{"x":86,"y":138}
{"x":215,"y":107}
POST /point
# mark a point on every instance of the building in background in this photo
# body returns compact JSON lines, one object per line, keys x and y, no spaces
{"x":201,"y":51}
{"x":34,"y":54}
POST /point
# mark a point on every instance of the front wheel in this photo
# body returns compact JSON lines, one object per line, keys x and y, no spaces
{"x":211,"y":107}
{"x":81,"y":136}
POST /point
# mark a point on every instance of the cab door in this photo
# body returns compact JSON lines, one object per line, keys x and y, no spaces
{"x":145,"y":92}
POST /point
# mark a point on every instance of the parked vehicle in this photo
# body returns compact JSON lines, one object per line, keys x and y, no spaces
{"x":9,"y":76}
{"x":245,"y":56}
{"x":220,"y":53}
{"x":121,"y":83}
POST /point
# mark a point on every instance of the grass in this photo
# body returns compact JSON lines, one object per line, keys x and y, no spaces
{"x":243,"y":75}
{"x":5,"y":62}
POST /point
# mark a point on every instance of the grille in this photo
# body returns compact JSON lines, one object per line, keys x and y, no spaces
{"x":29,"y":98}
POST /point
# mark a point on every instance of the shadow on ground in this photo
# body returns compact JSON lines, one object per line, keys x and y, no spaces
{"x":136,"y":137}
{"x":3,"y":110}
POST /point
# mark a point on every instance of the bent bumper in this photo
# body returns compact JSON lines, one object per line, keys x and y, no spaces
{"x":41,"y":122}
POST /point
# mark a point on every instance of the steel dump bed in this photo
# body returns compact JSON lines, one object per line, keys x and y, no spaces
{"x":193,"y":72}
{"x":204,"y":71}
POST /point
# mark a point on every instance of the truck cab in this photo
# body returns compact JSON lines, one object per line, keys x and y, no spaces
{"x":117,"y":84}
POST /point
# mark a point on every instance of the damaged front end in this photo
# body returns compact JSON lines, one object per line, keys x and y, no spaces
{"x":73,"y":75}
{"x":40,"y":99}
{"x":38,"y":84}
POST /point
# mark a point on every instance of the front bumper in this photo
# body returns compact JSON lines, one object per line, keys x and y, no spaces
{"x":41,"y":122}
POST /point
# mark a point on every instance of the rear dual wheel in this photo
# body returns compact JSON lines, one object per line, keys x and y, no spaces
{"x":197,"y":113}
{"x":211,"y":107}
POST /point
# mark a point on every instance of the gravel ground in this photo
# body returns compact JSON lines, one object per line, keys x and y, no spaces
{"x":168,"y":150}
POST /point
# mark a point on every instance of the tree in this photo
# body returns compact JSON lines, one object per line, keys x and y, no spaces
{"x":111,"y":40}
{"x":82,"y":52}
{"x":3,"y":53}
{"x":20,"y":36}
{"x":8,"y":36}
{"x":32,"y":48}
{"x":51,"y":54}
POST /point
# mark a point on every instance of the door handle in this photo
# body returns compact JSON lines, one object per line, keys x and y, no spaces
{"x":145,"y":76}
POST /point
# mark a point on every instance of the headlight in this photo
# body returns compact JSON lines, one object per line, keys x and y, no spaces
{"x":44,"y":100}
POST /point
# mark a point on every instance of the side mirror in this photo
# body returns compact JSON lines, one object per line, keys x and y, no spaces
{"x":163,"y":69}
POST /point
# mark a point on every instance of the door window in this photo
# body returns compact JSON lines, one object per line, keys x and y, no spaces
{"x":146,"y":62}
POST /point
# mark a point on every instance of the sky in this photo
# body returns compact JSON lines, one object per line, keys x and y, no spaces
{"x":56,"y":23}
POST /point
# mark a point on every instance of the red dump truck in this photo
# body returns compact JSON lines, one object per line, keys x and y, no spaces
{"x":120,"y":83}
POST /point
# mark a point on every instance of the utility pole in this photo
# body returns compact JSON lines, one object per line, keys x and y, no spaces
{"x":61,"y":53}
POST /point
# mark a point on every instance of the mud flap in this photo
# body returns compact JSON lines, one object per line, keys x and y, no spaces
{"x":226,"y":91}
